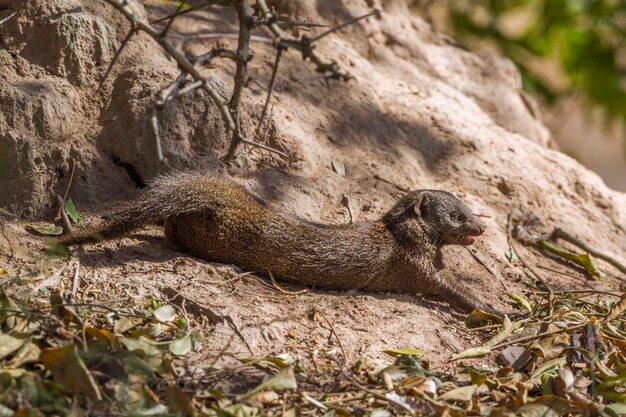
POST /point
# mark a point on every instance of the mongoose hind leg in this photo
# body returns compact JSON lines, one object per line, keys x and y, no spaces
{"x":183,"y":229}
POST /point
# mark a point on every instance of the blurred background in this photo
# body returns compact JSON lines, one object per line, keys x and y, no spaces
{"x":572,"y":56}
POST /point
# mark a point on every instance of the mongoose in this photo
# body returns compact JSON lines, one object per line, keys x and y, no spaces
{"x":216,"y":220}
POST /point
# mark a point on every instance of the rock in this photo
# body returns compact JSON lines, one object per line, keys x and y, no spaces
{"x":516,"y":357}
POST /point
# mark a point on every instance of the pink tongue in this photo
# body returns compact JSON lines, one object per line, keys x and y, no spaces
{"x":468,"y":240}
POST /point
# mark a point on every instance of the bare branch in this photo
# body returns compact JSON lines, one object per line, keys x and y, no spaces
{"x":154,"y":124}
{"x":207,"y":3}
{"x":220,"y":35}
{"x":260,"y":145}
{"x":329,"y":70}
{"x":217,"y":52}
{"x":229,"y":110}
{"x":189,"y":87}
{"x":131,"y":32}
{"x":8,"y":17}
{"x":171,"y":21}
{"x":279,"y":51}
{"x":562,"y":234}
{"x":241,"y":76}
{"x":304,"y":25}
{"x":344,"y":24}
{"x":164,"y":94}
{"x":178,"y":56}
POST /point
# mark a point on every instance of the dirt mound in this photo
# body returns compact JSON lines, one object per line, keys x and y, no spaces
{"x":419,"y":113}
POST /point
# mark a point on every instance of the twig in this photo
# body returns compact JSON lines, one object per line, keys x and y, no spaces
{"x":189,"y":87}
{"x":217,"y":52}
{"x":537,"y":336}
{"x":260,"y":145}
{"x":196,"y":308}
{"x":220,"y":35}
{"x":166,"y":92}
{"x":344,"y":24}
{"x":487,"y":267}
{"x":329,"y":70}
{"x":69,"y":185}
{"x":75,"y":281}
{"x":130,"y":34}
{"x":398,"y":186}
{"x":8,"y":17}
{"x":516,"y":252}
{"x":154,"y":124}
{"x":234,"y":326}
{"x":53,"y":279}
{"x":534,"y":272}
{"x":375,"y":394}
{"x":279,"y":288}
{"x":304,"y":25}
{"x":229,"y":111}
{"x":580,"y":292}
{"x":67,"y":225}
{"x":206,"y":3}
{"x":279,"y":51}
{"x":583,"y":280}
{"x":313,"y":402}
{"x":241,"y":75}
{"x":67,"y":191}
{"x":559,"y":233}
{"x":332,"y":329}
{"x":171,"y":20}
{"x":178,"y":56}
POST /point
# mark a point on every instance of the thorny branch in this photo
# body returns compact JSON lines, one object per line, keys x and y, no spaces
{"x":229,"y":110}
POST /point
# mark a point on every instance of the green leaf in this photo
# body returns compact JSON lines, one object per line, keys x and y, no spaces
{"x":404,"y":351}
{"x":548,"y":366}
{"x":9,"y":344}
{"x":44,"y":229}
{"x":180,"y":347}
{"x":70,"y":210}
{"x":510,"y":255}
{"x":284,"y":379}
{"x":140,"y":344}
{"x":523,"y":302}
{"x":585,"y":260}
{"x":238,"y":410}
{"x":137,"y":366}
{"x":474,"y":352}
{"x":507,"y":329}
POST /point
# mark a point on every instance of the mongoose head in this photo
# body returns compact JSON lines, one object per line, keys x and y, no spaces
{"x":444,"y":218}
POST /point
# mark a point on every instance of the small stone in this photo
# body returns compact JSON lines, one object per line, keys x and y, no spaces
{"x":516,"y":357}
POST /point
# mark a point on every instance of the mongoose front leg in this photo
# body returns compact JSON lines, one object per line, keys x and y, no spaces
{"x":445,"y":285}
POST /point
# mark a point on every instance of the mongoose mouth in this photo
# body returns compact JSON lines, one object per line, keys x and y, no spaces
{"x":466,"y":240}
{"x":469,"y":239}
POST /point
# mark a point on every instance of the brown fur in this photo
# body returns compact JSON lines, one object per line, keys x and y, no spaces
{"x":216,"y":220}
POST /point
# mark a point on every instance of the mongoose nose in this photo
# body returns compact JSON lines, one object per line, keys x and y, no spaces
{"x":481,"y":230}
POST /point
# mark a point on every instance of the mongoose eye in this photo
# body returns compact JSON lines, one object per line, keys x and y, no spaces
{"x":455,"y":217}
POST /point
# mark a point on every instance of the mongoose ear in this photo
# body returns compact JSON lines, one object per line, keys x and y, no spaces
{"x":421,"y":204}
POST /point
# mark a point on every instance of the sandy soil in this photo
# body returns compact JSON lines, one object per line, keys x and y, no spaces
{"x":420,"y":113}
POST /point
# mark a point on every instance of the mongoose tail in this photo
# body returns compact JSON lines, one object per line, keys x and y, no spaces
{"x":167,"y":195}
